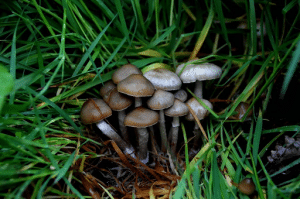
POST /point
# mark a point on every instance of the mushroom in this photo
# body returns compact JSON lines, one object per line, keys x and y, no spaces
{"x":177,"y":110}
{"x":107,"y":87}
{"x":119,"y":102}
{"x":261,"y":31}
{"x":241,"y":110}
{"x":161,"y":100}
{"x":95,"y":111}
{"x":246,"y":186}
{"x":190,"y":72}
{"x":201,"y":112}
{"x":124,"y":72}
{"x":181,"y":95}
{"x":136,"y":85}
{"x":141,"y":118}
{"x":163,"y":79}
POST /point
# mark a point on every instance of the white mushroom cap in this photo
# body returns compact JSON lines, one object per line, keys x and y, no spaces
{"x":178,"y":109}
{"x":163,"y":79}
{"x":181,"y":95}
{"x":161,"y":100}
{"x":193,"y":72}
{"x":244,"y":25}
{"x":199,"y":110}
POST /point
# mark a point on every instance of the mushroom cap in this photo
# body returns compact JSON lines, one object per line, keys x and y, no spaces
{"x":141,"y":118}
{"x":193,"y":72}
{"x":181,"y":95}
{"x":94,"y":110}
{"x":124,"y":71}
{"x":107,"y":87}
{"x":163,"y":79}
{"x":161,"y":100}
{"x":136,"y":85}
{"x":117,"y":101}
{"x":247,"y":186}
{"x":177,"y":110}
{"x":241,"y":110}
{"x":199,"y":110}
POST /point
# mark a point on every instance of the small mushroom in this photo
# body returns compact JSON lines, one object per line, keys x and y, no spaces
{"x":141,"y":118}
{"x":160,"y":101}
{"x":246,"y":186}
{"x":241,"y":110}
{"x":95,"y":111}
{"x":177,"y":110}
{"x":189,"y":73}
{"x":201,"y":112}
{"x":119,"y":102}
{"x":163,"y":79}
{"x":136,"y":85}
{"x":181,"y":95}
{"x":124,"y":72}
{"x":106,"y":88}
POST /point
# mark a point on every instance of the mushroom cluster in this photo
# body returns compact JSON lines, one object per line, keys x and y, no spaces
{"x":155,"y":93}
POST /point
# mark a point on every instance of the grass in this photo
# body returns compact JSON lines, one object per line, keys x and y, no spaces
{"x":56,"y":54}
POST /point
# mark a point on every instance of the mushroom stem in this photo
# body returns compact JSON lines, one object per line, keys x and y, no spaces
{"x":138,"y":102}
{"x":197,"y":137}
{"x":143,"y":145}
{"x":198,"y":91}
{"x":123,"y":128}
{"x":174,"y":133}
{"x":163,"y":134}
{"x":109,"y":132}
{"x":154,"y":146}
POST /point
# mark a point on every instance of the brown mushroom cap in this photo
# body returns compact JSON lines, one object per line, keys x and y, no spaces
{"x":125,"y":71}
{"x":141,"y":118}
{"x":177,"y":110}
{"x":117,"y":101}
{"x":163,"y":79}
{"x":94,"y":110}
{"x":136,"y":85}
{"x":199,"y":110}
{"x":246,"y":186}
{"x":241,"y":110}
{"x":108,"y":86}
{"x":161,"y":100}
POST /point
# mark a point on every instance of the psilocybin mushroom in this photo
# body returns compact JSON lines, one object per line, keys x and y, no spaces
{"x":241,"y":110}
{"x":177,"y":110}
{"x":141,"y":118}
{"x":119,"y":102}
{"x":107,"y":87}
{"x":124,"y":72}
{"x":136,"y":85}
{"x":201,"y":112}
{"x":189,"y":73}
{"x":163,"y":79}
{"x":246,"y":186}
{"x":159,"y":101}
{"x":95,"y":111}
{"x":181,"y":95}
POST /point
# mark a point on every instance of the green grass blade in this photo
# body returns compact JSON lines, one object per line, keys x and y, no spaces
{"x":91,"y":48}
{"x":257,"y":136}
{"x":58,"y":109}
{"x":291,"y":70}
